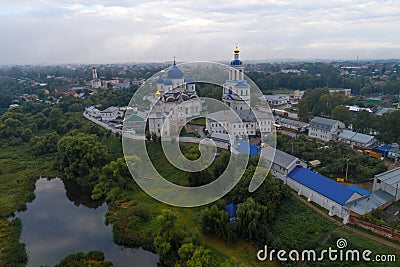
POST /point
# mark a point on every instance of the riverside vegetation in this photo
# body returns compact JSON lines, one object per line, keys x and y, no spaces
{"x":39,"y":139}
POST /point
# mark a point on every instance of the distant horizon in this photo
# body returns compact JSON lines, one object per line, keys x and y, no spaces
{"x":107,"y":32}
{"x":245,"y":61}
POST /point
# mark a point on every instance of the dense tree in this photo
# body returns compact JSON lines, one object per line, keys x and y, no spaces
{"x":46,"y":144}
{"x":251,"y":219}
{"x":388,"y":126}
{"x":343,"y":114}
{"x":172,"y":238}
{"x":364,"y":122}
{"x":109,"y":97}
{"x":319,"y":102}
{"x":115,"y":181}
{"x":215,"y":221}
{"x":55,"y":117}
{"x":78,"y":155}
{"x":92,"y":258}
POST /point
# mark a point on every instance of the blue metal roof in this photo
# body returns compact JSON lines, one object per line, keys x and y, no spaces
{"x":322,"y":185}
{"x":231,"y":209}
{"x":359,"y":190}
{"x":248,"y":148}
{"x":236,"y":62}
{"x":383,"y":148}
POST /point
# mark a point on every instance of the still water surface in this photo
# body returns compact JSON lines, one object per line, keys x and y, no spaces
{"x":53,"y":227}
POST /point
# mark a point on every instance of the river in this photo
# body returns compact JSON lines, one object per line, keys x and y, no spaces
{"x":54,"y":227}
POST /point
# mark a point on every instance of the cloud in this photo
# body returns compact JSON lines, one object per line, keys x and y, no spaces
{"x":122,"y":31}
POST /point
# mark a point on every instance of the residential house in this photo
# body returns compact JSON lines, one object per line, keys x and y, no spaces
{"x":325,"y":129}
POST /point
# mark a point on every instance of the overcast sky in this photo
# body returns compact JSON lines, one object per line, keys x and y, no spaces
{"x":89,"y":31}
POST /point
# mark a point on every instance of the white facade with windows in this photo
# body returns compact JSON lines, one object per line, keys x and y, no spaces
{"x":325,"y":129}
{"x":236,"y":94}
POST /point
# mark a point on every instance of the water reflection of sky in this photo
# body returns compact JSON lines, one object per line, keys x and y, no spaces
{"x":53,"y":228}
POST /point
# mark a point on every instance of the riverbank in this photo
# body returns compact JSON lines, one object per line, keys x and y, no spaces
{"x":18,"y":175}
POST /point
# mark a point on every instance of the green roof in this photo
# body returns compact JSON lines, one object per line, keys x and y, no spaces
{"x":134,"y":117}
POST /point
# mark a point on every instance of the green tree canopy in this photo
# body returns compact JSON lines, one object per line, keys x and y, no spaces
{"x":78,"y":155}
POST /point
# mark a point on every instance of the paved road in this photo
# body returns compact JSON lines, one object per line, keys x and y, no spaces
{"x":349,"y":228}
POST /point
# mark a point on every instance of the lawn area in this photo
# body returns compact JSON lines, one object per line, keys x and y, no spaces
{"x":296,"y":226}
{"x":163,"y":166}
{"x":199,"y":121}
{"x":360,"y":243}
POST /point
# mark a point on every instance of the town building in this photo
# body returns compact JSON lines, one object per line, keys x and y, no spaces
{"x":135,"y":122}
{"x":292,"y":125}
{"x":381,"y":110}
{"x":251,"y":123}
{"x":280,"y":101}
{"x":281,"y":163}
{"x":93,"y":112}
{"x":357,"y":140}
{"x":325,"y":129}
{"x":323,"y":191}
{"x":345,"y":91}
{"x":110,"y":113}
{"x":355,"y":109}
{"x":394,"y":153}
{"x":96,"y":82}
{"x":389,"y":182}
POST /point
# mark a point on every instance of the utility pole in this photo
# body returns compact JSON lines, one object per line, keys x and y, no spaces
{"x":292,"y":147}
{"x":347,"y":169}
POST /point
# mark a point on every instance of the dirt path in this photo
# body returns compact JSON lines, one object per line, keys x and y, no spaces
{"x":348,"y":228}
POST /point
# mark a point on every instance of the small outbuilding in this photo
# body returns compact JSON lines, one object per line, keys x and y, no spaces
{"x":231,"y":209}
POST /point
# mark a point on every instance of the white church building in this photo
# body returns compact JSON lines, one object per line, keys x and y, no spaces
{"x":96,"y":82}
{"x":236,"y":94}
{"x":175,"y":99}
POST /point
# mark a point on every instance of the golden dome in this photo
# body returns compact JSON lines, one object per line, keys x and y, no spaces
{"x":236,"y":51}
{"x":158,"y":94}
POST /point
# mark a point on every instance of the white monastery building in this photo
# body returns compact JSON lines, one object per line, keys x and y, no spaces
{"x":175,"y":99}
{"x":236,"y":94}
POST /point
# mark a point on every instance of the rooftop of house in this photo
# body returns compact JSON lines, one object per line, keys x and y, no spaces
{"x":298,"y":124}
{"x":356,"y":137}
{"x":323,"y":123}
{"x":391,"y":177}
{"x":278,"y":157}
